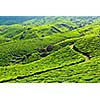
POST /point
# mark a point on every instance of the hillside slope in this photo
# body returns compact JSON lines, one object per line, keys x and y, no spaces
{"x":50,"y":49}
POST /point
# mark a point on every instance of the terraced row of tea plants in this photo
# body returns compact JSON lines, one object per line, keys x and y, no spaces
{"x":84,"y":72}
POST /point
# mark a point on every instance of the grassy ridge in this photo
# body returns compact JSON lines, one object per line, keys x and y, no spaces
{"x":89,"y":45}
{"x":9,"y":52}
{"x":63,"y":56}
{"x":85,"y":72}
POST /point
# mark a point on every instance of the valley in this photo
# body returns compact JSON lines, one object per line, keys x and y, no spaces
{"x":49,"y":49}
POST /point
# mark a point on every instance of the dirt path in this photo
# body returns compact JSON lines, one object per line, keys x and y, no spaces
{"x":87,"y":57}
{"x":71,"y":46}
{"x":40,"y":72}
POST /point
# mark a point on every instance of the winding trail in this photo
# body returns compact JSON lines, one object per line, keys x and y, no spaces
{"x":87,"y":56}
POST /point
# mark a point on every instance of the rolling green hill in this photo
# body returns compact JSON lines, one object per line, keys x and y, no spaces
{"x":50,"y":49}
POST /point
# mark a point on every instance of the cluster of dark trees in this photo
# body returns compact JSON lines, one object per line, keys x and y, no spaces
{"x":44,"y":51}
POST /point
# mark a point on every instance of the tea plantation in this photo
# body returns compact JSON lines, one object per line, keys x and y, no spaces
{"x":50,"y":49}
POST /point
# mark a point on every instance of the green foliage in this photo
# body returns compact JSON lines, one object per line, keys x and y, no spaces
{"x":90,"y":45}
{"x":85,"y":72}
{"x":9,"y":52}
{"x":65,"y":56}
{"x":50,"y":49}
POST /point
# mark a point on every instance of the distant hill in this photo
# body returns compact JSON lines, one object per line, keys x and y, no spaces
{"x":79,"y":20}
{"x":8,"y":20}
{"x":40,"y":20}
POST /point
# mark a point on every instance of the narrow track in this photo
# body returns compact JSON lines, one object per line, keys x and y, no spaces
{"x":87,"y":56}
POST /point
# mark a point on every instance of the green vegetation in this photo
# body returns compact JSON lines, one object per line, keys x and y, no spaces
{"x":84,"y":72}
{"x":55,"y":60}
{"x":89,"y":45}
{"x":50,"y":49}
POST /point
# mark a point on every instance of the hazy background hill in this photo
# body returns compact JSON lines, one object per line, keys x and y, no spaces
{"x":8,"y":20}
{"x":40,"y":20}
